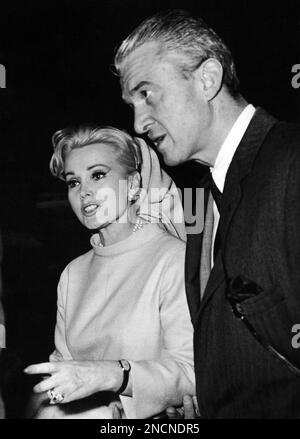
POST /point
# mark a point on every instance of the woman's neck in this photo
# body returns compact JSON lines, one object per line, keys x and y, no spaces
{"x":117,"y":231}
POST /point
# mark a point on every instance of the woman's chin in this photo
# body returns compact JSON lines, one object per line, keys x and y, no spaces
{"x":97,"y":223}
{"x":92,"y":223}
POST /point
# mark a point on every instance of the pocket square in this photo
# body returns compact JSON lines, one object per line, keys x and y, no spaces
{"x":240,"y":288}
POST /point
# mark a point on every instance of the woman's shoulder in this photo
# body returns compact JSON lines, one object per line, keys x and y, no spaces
{"x":80,"y":261}
{"x":168,"y":236}
{"x":167,"y":242}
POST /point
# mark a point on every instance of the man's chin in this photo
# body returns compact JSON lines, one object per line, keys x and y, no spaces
{"x":170,"y":161}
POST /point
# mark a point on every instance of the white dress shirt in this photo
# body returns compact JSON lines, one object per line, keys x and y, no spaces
{"x":225,"y":156}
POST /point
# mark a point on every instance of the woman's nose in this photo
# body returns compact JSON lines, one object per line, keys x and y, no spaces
{"x":85,"y":191}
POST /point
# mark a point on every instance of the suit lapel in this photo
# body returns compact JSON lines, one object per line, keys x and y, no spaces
{"x":240,"y":166}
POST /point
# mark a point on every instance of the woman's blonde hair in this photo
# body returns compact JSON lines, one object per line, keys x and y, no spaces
{"x":66,"y":140}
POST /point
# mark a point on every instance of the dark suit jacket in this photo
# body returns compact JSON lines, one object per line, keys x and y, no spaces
{"x":260,"y":234}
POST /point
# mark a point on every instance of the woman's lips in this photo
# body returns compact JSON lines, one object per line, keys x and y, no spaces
{"x":89,"y":209}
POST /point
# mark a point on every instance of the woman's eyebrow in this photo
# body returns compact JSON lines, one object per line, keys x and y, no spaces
{"x":96,"y":165}
{"x":89,"y":168}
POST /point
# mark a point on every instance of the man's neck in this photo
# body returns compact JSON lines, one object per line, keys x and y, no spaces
{"x":225,"y":111}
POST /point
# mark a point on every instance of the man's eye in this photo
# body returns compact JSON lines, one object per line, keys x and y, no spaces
{"x":145,"y":93}
{"x":72,"y":183}
{"x":98,"y":175}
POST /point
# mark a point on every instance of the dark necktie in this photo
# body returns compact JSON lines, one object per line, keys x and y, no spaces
{"x":216,"y":193}
{"x":217,"y":196}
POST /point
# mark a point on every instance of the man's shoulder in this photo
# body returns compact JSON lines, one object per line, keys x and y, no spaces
{"x":264,"y":121}
{"x":286,"y":130}
{"x":283,"y":141}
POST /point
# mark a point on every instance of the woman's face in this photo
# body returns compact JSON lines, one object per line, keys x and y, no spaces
{"x":97,"y":185}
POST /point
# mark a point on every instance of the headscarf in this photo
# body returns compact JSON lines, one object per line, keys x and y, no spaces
{"x":159,"y":200}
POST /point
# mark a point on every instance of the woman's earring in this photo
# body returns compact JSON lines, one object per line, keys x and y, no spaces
{"x":130,"y":196}
{"x":133,"y":196}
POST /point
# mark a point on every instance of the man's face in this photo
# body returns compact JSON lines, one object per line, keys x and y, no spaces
{"x":169,"y":107}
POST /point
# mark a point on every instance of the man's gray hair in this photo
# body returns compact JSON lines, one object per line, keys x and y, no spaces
{"x":177,"y":30}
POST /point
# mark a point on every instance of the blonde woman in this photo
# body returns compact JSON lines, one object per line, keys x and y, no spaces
{"x":123,"y":337}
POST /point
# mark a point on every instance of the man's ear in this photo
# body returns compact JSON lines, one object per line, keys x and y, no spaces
{"x":134,"y":184}
{"x":210,"y":73}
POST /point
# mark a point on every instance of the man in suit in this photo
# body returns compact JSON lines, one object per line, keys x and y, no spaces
{"x":242,"y":272}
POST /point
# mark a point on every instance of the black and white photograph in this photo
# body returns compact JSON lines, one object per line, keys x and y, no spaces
{"x":150,"y":217}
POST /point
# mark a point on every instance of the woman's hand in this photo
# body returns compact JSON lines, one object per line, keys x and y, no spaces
{"x":77,"y":379}
{"x":50,"y":412}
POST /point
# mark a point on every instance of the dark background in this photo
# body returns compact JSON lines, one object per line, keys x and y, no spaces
{"x":58,"y":58}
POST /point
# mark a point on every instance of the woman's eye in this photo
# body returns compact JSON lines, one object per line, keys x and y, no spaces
{"x":98,"y":175}
{"x":72,"y":183}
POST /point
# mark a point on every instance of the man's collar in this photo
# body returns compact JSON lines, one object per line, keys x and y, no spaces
{"x":230,"y":145}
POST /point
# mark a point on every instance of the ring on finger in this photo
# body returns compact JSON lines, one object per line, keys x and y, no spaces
{"x":55,"y":397}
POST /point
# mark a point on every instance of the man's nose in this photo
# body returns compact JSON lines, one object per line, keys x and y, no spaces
{"x":142,"y":121}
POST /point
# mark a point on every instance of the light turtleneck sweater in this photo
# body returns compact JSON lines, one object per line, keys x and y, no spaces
{"x":128,"y":301}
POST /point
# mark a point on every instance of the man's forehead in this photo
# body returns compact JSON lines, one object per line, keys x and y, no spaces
{"x":140,"y":62}
{"x":136,"y":62}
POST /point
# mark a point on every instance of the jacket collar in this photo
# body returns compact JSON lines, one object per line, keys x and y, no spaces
{"x":240,"y":166}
